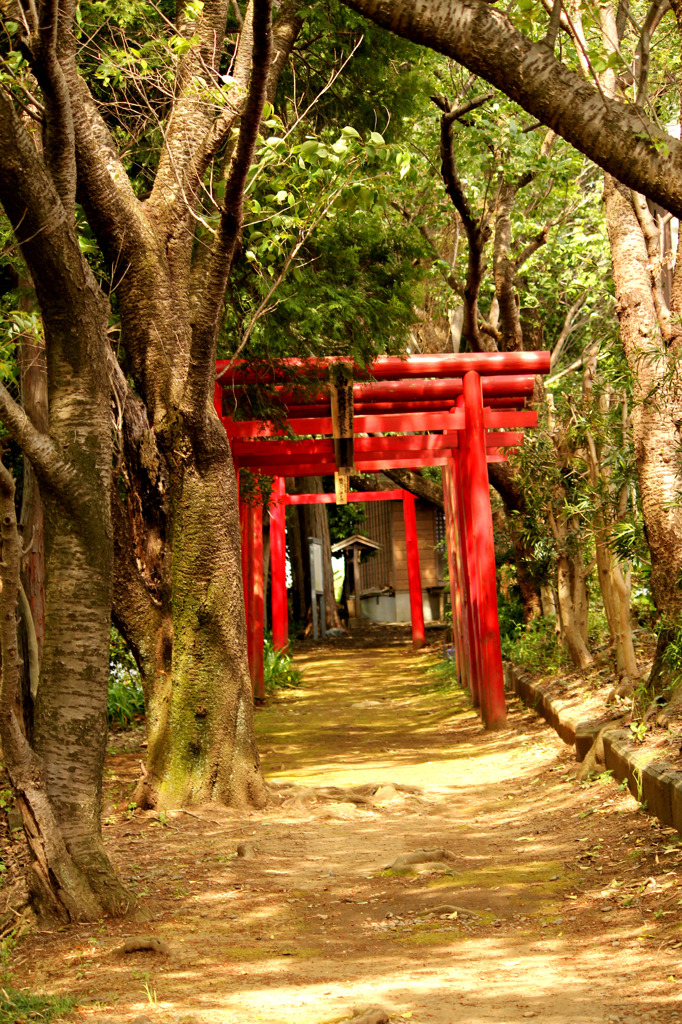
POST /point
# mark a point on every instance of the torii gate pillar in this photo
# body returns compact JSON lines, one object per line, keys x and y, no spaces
{"x":413,"y":571}
{"x":278,"y":568}
{"x":476,"y":498}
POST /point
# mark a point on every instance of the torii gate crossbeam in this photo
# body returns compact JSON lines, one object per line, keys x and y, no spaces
{"x":473,"y":402}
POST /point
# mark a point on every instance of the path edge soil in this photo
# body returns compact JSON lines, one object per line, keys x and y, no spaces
{"x":654,"y":783}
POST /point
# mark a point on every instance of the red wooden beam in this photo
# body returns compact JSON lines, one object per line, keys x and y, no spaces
{"x":455,"y":579}
{"x":461,"y":512}
{"x":454,"y":420}
{"x":330,"y":499}
{"x":270,"y":451}
{"x":506,"y":385}
{"x":404,"y":408}
{"x":367,"y":464}
{"x":413,"y":571}
{"x":363,"y":424}
{"x":393,"y":367}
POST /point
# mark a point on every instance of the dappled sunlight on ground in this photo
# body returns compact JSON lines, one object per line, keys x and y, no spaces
{"x":555,"y":901}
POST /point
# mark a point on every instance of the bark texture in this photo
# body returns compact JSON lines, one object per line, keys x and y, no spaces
{"x":58,"y":779}
{"x":656,"y":415}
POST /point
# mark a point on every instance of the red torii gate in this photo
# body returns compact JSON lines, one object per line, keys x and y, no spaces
{"x":474,"y":402}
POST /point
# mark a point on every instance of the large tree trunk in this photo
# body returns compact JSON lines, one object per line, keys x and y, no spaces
{"x":57,"y":781}
{"x":178,"y":602}
{"x":213,"y":754}
{"x":656,"y":413}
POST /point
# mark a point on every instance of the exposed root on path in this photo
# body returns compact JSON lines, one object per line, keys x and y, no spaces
{"x":368,"y":795}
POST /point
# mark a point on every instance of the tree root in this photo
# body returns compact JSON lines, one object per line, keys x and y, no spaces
{"x":369,"y":1015}
{"x":595,"y":754}
{"x":150,"y":944}
{"x":361,"y":796}
{"x":437,"y":855}
{"x":447,"y":908}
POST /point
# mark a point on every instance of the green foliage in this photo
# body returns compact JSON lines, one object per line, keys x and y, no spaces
{"x":125,"y":701}
{"x":510,"y":613}
{"x":345,"y":520}
{"x":671,"y":659}
{"x":279,"y":670}
{"x":21,"y":1007}
{"x":535,"y":646}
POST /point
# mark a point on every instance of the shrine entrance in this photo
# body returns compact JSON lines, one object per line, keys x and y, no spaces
{"x":458,"y":412}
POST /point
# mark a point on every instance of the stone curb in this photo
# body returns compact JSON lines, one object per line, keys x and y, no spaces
{"x":654,"y":783}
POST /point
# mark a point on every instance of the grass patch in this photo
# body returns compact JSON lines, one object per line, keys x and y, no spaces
{"x":279,"y":670}
{"x":20,"y":1006}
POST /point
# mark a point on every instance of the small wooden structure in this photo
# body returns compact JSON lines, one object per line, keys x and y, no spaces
{"x":454,"y":411}
{"x":352,"y":548}
{"x":384,"y":583}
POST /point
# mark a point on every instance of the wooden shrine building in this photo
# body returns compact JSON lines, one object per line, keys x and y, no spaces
{"x":458,"y":412}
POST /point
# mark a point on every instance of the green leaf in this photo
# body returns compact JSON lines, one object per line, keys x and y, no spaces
{"x":377,"y":139}
{"x":309,"y":147}
{"x":350,"y":133}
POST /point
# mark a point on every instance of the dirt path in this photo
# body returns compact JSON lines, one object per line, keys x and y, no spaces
{"x":553,"y":901}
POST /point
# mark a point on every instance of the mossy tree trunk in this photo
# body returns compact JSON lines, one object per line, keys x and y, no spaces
{"x":178,"y":589}
{"x":57,"y":777}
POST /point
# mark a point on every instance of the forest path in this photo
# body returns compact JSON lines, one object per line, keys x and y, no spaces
{"x":561,"y":902}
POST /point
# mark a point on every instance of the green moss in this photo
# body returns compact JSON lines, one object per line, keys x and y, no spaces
{"x":535,"y":873}
{"x":434,"y":937}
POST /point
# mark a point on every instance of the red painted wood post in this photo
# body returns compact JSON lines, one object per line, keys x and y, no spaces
{"x":255,"y":617}
{"x":278,"y":567}
{"x":245,"y":536}
{"x":455,"y":581}
{"x":470,"y":587}
{"x":244,"y":541}
{"x":492,"y":679}
{"x":413,"y":571}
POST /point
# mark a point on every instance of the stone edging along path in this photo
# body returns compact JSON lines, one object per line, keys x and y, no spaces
{"x":653,"y":782}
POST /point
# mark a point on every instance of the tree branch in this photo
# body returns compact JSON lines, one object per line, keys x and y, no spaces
{"x":653,"y":19}
{"x":199,"y":387}
{"x":477,"y":233}
{"x":58,"y":132}
{"x":193,"y":135}
{"x":284,"y":34}
{"x":568,"y":326}
{"x":554,"y":25}
{"x":616,"y":136}
{"x":52,"y":471}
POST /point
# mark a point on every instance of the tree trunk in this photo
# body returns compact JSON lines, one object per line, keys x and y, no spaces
{"x":209,"y":750}
{"x":656,"y":413}
{"x":615,"y":592}
{"x":57,"y":781}
{"x":572,"y":613}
